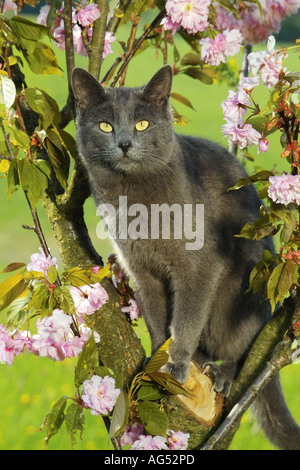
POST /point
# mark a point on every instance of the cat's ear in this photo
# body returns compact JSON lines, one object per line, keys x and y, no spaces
{"x":159,"y":88}
{"x":87,"y":91}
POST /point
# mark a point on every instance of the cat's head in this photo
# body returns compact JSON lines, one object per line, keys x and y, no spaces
{"x":128,"y":130}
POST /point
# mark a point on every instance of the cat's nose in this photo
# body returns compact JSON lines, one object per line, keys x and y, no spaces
{"x":125,"y":145}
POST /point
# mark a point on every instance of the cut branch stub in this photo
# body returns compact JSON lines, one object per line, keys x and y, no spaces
{"x":205,"y":405}
{"x":198,"y":415}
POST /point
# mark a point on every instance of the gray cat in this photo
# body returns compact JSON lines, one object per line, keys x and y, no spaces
{"x":195,"y":294}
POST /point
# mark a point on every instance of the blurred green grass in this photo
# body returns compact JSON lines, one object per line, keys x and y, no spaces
{"x":29,"y":387}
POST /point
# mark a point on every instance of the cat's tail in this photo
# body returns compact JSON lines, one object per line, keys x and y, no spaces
{"x":273,"y":415}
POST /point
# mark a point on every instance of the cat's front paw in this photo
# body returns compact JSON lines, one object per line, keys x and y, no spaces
{"x":222,"y":383}
{"x":179,"y":371}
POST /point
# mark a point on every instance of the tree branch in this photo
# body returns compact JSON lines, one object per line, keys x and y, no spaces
{"x":137,"y":45}
{"x":68,"y":112}
{"x":97,"y":44}
{"x":282,"y":357}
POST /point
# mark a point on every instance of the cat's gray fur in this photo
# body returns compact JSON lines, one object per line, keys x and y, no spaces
{"x":198,"y":297}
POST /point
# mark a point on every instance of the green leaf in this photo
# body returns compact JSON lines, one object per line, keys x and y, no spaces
{"x":81,"y":275}
{"x":155,"y":421}
{"x":169,"y":383}
{"x":11,"y":289}
{"x":182,"y":100}
{"x":259,"y":229}
{"x":59,"y":157}
{"x":260,"y":176}
{"x":44,"y":167}
{"x":32,"y":180}
{"x":22,"y":139}
{"x":258,"y":276}
{"x":289,"y":226}
{"x":12,"y":178}
{"x":40,"y":57}
{"x":7,"y":91}
{"x":281,"y":280}
{"x":150,"y":392}
{"x":55,"y":418}
{"x":197,"y":74}
{"x":40,"y":298}
{"x":12,"y":267}
{"x":159,"y":359}
{"x":52,"y":274}
{"x":45,"y":106}
{"x":74,"y":420}
{"x":87,"y":362}
{"x":17,"y":314}
{"x":229,"y":6}
{"x":191,"y":59}
{"x":28,"y":29}
{"x":120,"y":415}
{"x":64,"y":299}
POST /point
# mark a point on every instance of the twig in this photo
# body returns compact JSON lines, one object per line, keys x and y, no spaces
{"x":243,"y":73}
{"x":130,"y":45}
{"x":38,"y":228}
{"x":137,"y":45}
{"x":116,"y":20}
{"x":7,"y":142}
{"x":282,"y":357}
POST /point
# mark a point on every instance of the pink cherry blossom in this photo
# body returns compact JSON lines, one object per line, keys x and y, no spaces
{"x":83,"y":18}
{"x":131,"y":434}
{"x":46,"y":347}
{"x":10,"y":5}
{"x":12,"y":344}
{"x":42,"y":16}
{"x":241,"y":135}
{"x":177,"y":440}
{"x":132,"y":310}
{"x":285,"y":189}
{"x":56,"y":326}
{"x":41,"y":263}
{"x":268,"y":63}
{"x":235,"y":106}
{"x":263,"y":145}
{"x":214,"y":51}
{"x":254,"y":26}
{"x":191,"y":15}
{"x":150,"y":443}
{"x":234,"y":41}
{"x":88,"y":14}
{"x":59,"y":36}
{"x":109,"y":38}
{"x":100,"y":394}
{"x":291,"y":6}
{"x":52,"y":333}
{"x":6,"y":347}
{"x":22,"y":341}
{"x":73,"y":345}
{"x":88,"y":299}
{"x":55,"y":339}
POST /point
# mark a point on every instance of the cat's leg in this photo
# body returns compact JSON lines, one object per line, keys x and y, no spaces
{"x":151,"y":294}
{"x":191,"y":307}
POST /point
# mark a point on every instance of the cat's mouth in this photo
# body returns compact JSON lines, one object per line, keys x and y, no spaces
{"x":127,"y":161}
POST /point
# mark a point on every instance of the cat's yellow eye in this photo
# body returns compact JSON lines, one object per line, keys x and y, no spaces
{"x":105,"y":127}
{"x":142,"y":125}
